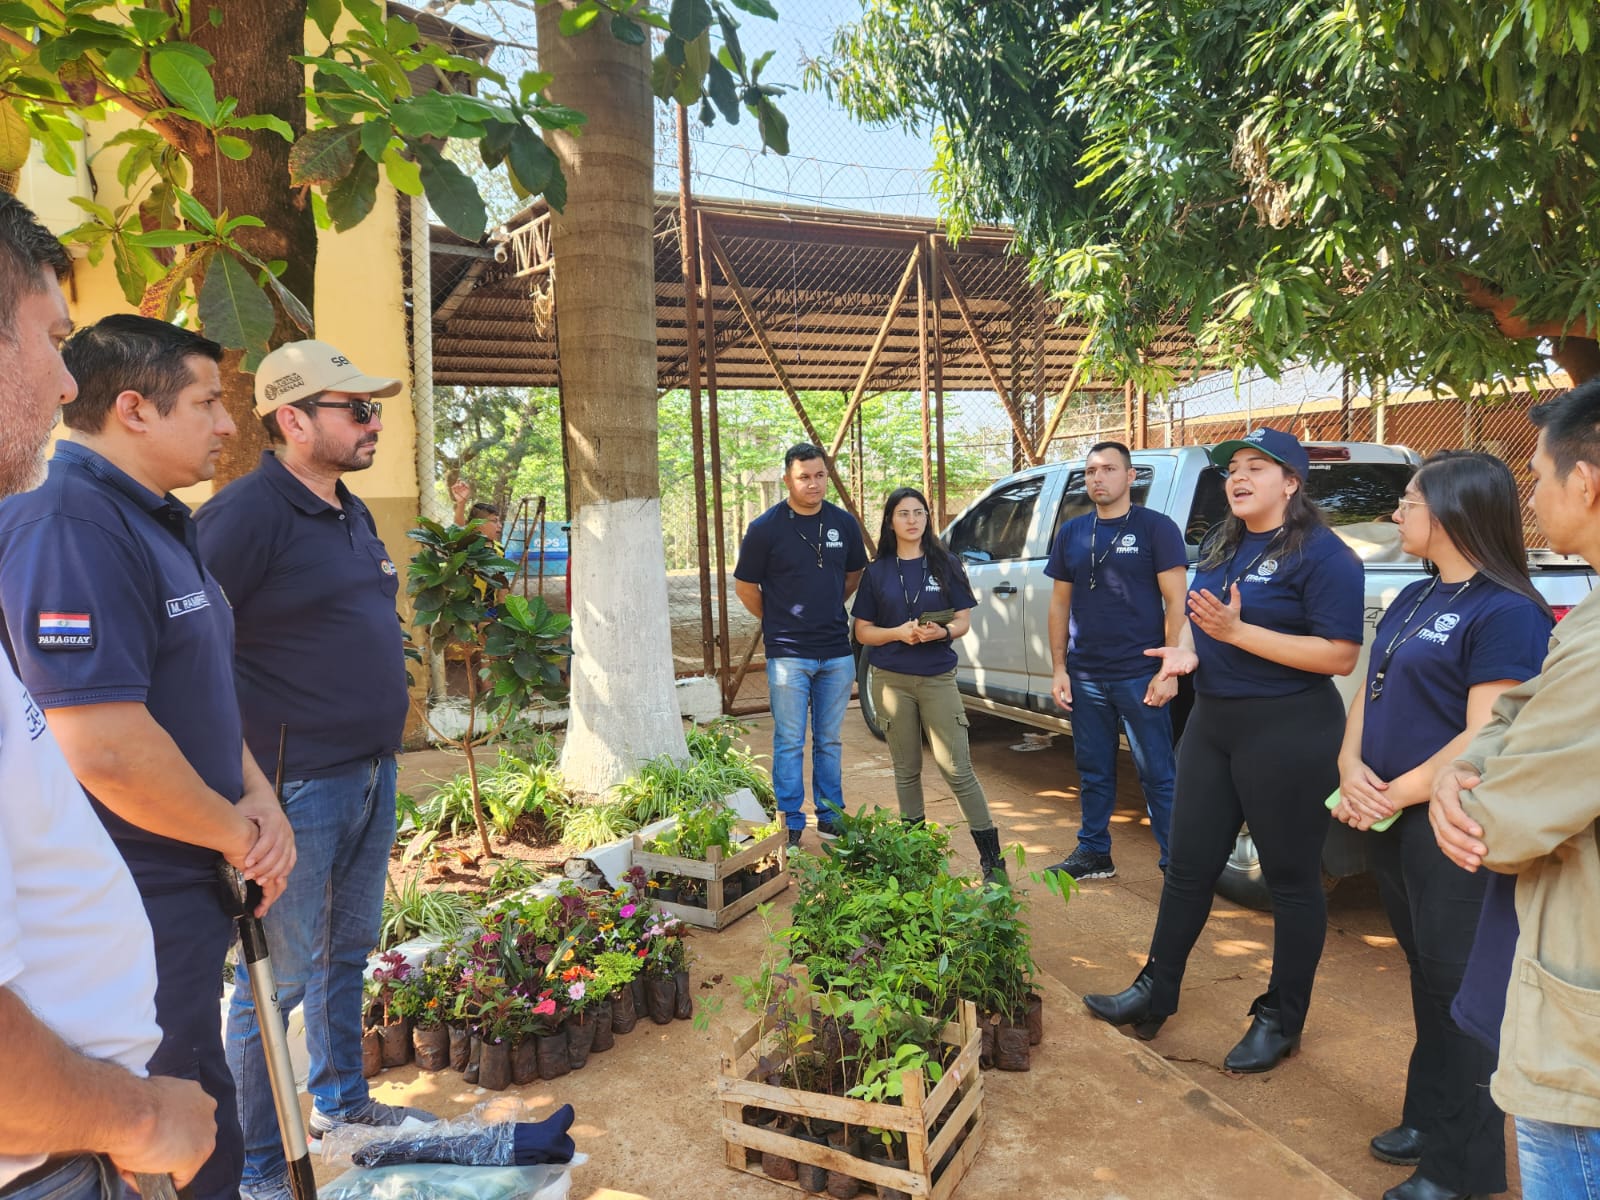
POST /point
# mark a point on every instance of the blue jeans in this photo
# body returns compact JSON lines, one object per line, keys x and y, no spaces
{"x":1558,"y":1162}
{"x":85,"y":1177}
{"x":319,"y":934}
{"x":1100,"y":710}
{"x":820,"y":688}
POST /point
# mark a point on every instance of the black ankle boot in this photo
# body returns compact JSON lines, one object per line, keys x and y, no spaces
{"x":990,"y":859}
{"x":913,"y":822}
{"x":1131,"y":1006}
{"x":1264,"y":1044}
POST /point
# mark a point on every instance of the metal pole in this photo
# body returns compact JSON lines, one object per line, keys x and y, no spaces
{"x":708,"y":298}
{"x":428,"y":502}
{"x":938,"y":379}
{"x":689,"y":252}
{"x":922,"y":378}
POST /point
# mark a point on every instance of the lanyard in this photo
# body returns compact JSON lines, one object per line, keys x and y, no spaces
{"x":911,"y":604}
{"x":1227,"y":587}
{"x":1094,"y":533}
{"x":1375,"y":689}
{"x":818,"y":546}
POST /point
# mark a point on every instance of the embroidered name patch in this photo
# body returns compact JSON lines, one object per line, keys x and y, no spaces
{"x":194,"y":601}
{"x":66,"y":631}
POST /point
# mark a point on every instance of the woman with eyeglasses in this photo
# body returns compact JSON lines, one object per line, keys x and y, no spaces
{"x":913,"y":603}
{"x":1275,"y":611}
{"x":1446,"y":648}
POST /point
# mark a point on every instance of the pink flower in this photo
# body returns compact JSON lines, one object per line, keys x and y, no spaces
{"x":544,"y":1008}
{"x":576,"y":990}
{"x":490,"y":939}
{"x":627,"y":910}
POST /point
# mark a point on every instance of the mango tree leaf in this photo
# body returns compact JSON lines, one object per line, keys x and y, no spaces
{"x":756,"y":8}
{"x":351,"y":199}
{"x":376,"y":135}
{"x":724,"y":91}
{"x":689,"y":18}
{"x":326,"y":15}
{"x":576,"y":20}
{"x":292,"y":307}
{"x":14,"y":138}
{"x":194,"y":212}
{"x":150,"y":24}
{"x":532,"y":162}
{"x":555,"y":192}
{"x":120,"y":64}
{"x":233,"y":308}
{"x":324,"y":156}
{"x":264,"y":121}
{"x":427,"y":115}
{"x":165,"y":237}
{"x":403,"y":173}
{"x":186,"y":82}
{"x":773,"y":124}
{"x":452,"y":194}
{"x":234,"y":147}
{"x":627,"y":32}
{"x":162,"y":298}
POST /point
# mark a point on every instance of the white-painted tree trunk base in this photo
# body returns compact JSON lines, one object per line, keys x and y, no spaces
{"x":623,"y":708}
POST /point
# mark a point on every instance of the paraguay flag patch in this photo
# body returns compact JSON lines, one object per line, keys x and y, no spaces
{"x":65,"y":630}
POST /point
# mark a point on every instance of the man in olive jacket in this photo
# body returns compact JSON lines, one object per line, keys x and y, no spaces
{"x":1522,"y":800}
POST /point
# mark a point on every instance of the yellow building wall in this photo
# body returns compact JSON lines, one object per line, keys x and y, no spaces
{"x":359,"y":307}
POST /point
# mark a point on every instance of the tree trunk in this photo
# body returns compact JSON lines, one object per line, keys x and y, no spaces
{"x":624,"y":707}
{"x":252,"y":47}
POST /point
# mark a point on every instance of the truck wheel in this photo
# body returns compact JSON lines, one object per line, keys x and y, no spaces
{"x":1241,"y":880}
{"x":869,"y":710}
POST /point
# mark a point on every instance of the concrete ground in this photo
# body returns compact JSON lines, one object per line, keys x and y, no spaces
{"x":1100,"y":1115}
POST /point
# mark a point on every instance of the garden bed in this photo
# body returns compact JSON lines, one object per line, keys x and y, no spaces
{"x":715,"y":870}
{"x":943,"y":1127}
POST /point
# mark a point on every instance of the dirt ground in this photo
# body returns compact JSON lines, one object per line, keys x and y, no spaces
{"x":1100,"y":1115}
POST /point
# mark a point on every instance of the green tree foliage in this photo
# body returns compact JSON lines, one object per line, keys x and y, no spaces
{"x":1406,"y":187}
{"x":505,"y":442}
{"x":79,"y":62}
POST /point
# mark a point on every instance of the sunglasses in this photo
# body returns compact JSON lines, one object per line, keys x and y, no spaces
{"x":361,"y":411}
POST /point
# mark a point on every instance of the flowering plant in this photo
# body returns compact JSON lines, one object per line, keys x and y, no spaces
{"x":577,"y":988}
{"x":615,"y":970}
{"x":662,"y":947}
{"x":388,"y":986}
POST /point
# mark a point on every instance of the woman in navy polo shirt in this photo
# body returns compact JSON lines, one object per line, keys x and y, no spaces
{"x":1275,"y":611}
{"x":914,"y":663}
{"x":1444,"y":651}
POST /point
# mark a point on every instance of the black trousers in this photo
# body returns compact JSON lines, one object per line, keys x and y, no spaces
{"x":1270,"y":762}
{"x":1433,"y":906}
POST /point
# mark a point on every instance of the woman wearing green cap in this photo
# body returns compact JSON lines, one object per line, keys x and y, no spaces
{"x":1275,"y":610}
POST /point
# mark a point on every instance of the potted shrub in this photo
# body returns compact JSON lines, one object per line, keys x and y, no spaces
{"x":395,"y":997}
{"x":430,"y":1039}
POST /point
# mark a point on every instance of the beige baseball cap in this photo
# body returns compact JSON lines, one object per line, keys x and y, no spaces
{"x":297,"y":370}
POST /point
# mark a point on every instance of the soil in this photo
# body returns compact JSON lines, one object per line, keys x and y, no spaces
{"x":1100,"y":1115}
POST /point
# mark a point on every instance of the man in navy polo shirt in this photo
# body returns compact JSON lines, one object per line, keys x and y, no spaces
{"x":1120,"y":573}
{"x":320,"y":655}
{"x":126,"y":641}
{"x":799,"y":562}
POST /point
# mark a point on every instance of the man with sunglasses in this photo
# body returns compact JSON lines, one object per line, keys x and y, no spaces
{"x":320,"y":655}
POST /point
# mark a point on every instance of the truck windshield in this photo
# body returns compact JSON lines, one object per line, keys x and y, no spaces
{"x":1358,"y":499}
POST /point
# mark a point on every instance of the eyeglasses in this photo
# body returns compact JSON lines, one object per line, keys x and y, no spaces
{"x":1407,"y":502}
{"x":362,"y":412}
{"x":915,"y":514}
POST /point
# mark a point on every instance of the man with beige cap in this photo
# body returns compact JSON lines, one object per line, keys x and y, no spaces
{"x":319,"y":652}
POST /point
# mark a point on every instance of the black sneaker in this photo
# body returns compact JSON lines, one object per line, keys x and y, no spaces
{"x":827,"y":826}
{"x":1086,"y":864}
{"x":794,"y":837}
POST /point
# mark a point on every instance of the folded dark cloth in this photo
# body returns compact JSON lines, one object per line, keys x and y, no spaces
{"x":508,"y":1144}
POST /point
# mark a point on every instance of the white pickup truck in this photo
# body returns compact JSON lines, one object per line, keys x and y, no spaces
{"x":1004,"y":539}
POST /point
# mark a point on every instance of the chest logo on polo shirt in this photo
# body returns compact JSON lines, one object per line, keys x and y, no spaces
{"x":833,"y":537}
{"x":386,"y":567}
{"x":65,"y":630}
{"x":180,"y":606}
{"x":1128,"y":544}
{"x":1440,"y":633}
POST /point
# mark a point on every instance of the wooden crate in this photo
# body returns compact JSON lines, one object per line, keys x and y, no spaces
{"x":956,"y":1104}
{"x":715,"y":869}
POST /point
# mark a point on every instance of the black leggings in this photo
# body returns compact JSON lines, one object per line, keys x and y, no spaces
{"x":1271,"y":762}
{"x":1434,"y":905}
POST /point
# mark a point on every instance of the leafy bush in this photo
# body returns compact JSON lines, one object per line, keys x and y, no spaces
{"x":418,"y":911}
